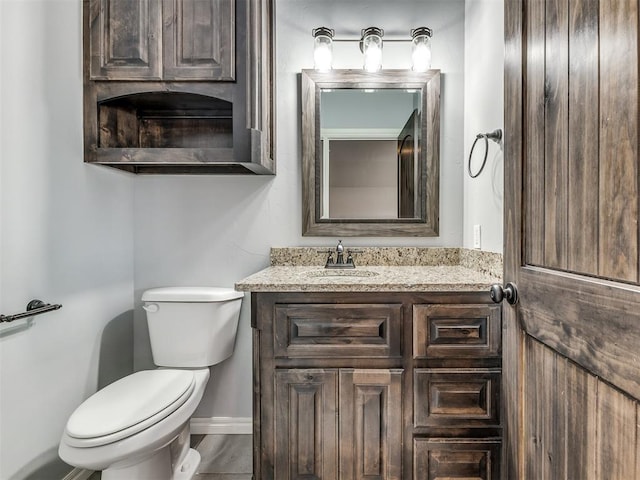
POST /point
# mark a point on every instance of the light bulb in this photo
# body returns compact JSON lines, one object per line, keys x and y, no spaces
{"x":323,"y":48}
{"x":371,"y":46}
{"x":421,"y":49}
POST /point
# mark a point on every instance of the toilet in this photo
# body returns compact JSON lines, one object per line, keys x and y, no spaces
{"x":138,"y":426}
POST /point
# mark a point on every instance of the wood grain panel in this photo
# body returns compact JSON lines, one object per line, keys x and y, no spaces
{"x":581,"y":398}
{"x":584,"y":137}
{"x":555,"y":133}
{"x":555,"y":412}
{"x":370,"y":424}
{"x":534,"y":124}
{"x":546,"y":412}
{"x":355,"y":330}
{"x":306,"y":424}
{"x":577,"y":426}
{"x":618,"y":227}
{"x":617,"y":441}
{"x":117,"y":127}
{"x":637,"y":440}
{"x":533,"y":402}
{"x":590,"y":321}
{"x":456,"y":331}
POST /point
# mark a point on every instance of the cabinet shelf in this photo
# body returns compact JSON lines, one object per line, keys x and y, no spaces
{"x":166,"y":120}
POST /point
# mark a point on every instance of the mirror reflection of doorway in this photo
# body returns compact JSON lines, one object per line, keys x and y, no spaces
{"x":362,"y":179}
{"x":407,"y":168}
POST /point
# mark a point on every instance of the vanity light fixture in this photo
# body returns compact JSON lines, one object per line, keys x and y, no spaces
{"x":371,"y":46}
{"x":421,"y":49}
{"x":322,"y":48}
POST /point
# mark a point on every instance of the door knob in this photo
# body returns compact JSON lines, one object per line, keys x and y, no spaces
{"x":509,"y":292}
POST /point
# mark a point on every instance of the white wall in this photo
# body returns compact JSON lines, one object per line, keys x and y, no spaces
{"x":217,"y":230}
{"x":66,"y":237}
{"x":483,"y":107}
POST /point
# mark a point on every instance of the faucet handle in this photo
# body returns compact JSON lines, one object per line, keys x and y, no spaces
{"x":330,"y":260}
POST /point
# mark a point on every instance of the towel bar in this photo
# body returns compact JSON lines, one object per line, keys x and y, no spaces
{"x":34,"y":307}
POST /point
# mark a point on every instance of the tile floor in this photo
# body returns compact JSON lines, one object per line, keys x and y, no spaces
{"x":224,"y":457}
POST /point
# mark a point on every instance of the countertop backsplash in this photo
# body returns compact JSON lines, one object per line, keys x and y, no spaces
{"x":489,"y":263}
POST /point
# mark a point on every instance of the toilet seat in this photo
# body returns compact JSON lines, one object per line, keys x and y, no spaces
{"x":129,"y":406}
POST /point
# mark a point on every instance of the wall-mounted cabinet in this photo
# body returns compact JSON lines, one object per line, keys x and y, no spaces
{"x":179,"y":86}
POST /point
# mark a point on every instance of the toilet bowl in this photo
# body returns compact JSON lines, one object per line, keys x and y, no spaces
{"x":138,"y":427}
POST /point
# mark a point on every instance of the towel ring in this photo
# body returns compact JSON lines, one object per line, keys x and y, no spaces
{"x":496,"y":136}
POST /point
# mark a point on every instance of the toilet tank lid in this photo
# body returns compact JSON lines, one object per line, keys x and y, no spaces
{"x":191,"y":294}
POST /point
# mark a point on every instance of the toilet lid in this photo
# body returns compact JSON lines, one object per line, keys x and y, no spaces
{"x":130,"y":405}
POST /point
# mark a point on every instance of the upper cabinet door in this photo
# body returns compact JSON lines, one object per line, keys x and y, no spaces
{"x":198,"y":39}
{"x":124,"y":39}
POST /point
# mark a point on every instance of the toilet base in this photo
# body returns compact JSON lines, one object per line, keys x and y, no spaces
{"x":157,"y":468}
{"x":175,"y":461}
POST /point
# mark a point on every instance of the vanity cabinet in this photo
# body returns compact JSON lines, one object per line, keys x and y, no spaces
{"x":376,"y":385}
{"x":179,"y":86}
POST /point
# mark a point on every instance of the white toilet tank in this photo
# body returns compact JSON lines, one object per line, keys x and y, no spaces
{"x":192,"y":327}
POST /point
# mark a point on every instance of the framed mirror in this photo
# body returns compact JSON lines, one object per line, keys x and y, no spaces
{"x":370,"y":153}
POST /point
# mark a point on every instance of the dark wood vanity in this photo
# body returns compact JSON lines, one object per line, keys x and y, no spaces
{"x":387,"y":385}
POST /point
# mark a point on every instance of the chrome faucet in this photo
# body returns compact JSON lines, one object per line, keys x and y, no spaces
{"x":340,"y":261}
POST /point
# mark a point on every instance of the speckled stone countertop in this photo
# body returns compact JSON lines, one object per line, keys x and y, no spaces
{"x":399,"y":269}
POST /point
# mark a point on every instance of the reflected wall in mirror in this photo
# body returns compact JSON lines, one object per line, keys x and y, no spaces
{"x":370,"y":146}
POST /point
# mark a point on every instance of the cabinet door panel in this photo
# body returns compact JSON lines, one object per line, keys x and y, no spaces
{"x":348,"y":331}
{"x":198,"y":39}
{"x":462,"y":331}
{"x":124,"y":39}
{"x":306,"y":425}
{"x":371,"y":424}
{"x":443,"y":459}
{"x":456,"y":397}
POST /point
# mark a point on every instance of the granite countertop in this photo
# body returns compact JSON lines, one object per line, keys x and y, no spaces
{"x":399,"y":269}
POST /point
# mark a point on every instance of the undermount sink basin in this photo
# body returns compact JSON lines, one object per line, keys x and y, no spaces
{"x":342,"y":273}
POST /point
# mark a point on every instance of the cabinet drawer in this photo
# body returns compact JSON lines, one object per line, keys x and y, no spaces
{"x":451,"y":458}
{"x":353,"y":330}
{"x":463,"y":331}
{"x":456,"y":397}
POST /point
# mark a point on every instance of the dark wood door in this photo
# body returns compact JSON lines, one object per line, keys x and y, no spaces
{"x":168,"y":40}
{"x":306,"y":424}
{"x":370,"y":424}
{"x":572,"y":342}
{"x":124,"y":40}
{"x":198,"y":39}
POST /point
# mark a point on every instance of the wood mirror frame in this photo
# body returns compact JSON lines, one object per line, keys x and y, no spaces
{"x":426,"y":221}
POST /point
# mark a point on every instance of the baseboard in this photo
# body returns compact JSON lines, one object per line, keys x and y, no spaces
{"x":222,"y":425}
{"x":78,"y":474}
